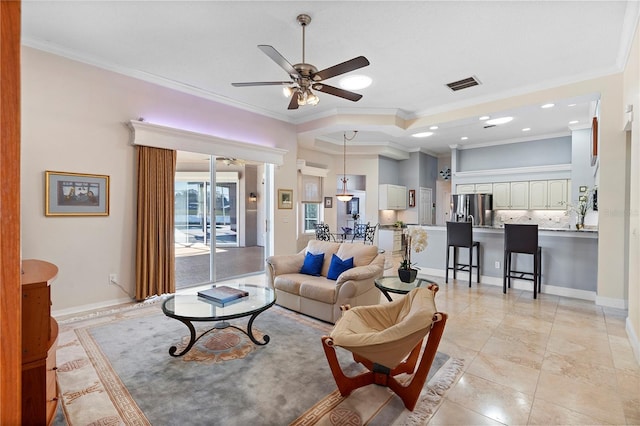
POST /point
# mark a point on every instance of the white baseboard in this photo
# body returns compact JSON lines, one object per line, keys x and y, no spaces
{"x":90,"y":307}
{"x":633,"y":339}
{"x":611,"y":303}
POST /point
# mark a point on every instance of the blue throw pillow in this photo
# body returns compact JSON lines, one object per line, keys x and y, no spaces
{"x":312,"y":264}
{"x":338,"y":266}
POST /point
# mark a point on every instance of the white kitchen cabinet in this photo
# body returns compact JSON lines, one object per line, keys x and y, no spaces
{"x":478,"y":188}
{"x":558,"y":194}
{"x":538,"y":195}
{"x":511,"y":196}
{"x":548,"y":194}
{"x":466,"y":189}
{"x":519,"y":195}
{"x":484,"y":188}
{"x":501,"y":196}
{"x":390,"y":240}
{"x":392,"y":197}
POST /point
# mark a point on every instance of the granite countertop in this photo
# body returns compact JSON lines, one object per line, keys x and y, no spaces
{"x":501,"y":227}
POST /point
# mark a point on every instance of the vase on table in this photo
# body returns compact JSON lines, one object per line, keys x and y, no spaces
{"x":407,"y":275}
{"x":580,"y":222}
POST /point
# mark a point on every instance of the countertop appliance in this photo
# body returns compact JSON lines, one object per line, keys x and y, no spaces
{"x":474,"y":208}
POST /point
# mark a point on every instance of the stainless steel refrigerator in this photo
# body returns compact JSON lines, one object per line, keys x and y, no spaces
{"x":475,"y":208}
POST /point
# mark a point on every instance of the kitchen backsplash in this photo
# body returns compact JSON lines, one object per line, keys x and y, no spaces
{"x":550,"y":219}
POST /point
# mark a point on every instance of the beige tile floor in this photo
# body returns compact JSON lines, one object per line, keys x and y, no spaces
{"x":552,"y":360}
{"x":549,"y":361}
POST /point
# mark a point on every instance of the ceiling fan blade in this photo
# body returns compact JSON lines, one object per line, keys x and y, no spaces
{"x":279,"y":59}
{"x":293,"y":103}
{"x":321,"y":87}
{"x":262,"y":83}
{"x":350,"y":65}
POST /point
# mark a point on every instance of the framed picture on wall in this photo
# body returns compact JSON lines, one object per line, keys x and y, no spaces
{"x":76,"y":194}
{"x":328,"y":202}
{"x":594,"y":141}
{"x":353,"y":206}
{"x":285,"y":198}
{"x":412,"y":198}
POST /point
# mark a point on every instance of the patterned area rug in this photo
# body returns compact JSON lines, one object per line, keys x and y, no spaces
{"x":114,"y":368}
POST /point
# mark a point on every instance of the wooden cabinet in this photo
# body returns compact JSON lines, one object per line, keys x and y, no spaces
{"x":548,"y":194}
{"x":39,"y":335}
{"x":511,"y":196}
{"x":392,"y":197}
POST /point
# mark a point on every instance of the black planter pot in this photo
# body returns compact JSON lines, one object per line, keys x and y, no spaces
{"x":407,"y":275}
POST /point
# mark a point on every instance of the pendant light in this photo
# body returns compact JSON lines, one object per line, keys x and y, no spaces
{"x":345,"y":196}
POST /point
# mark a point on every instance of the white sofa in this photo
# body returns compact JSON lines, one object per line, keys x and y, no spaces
{"x":318,"y":296}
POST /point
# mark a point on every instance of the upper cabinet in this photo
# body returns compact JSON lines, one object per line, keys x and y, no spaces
{"x":511,"y":195}
{"x":548,"y":194}
{"x":478,"y":188}
{"x":525,"y":195}
{"x":392,"y":197}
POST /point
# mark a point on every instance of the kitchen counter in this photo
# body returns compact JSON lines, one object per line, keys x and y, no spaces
{"x":569,"y":259}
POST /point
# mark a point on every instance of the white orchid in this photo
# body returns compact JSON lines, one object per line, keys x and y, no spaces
{"x":416,"y":239}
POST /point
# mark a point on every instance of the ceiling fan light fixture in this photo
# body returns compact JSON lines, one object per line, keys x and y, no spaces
{"x":288,"y":91}
{"x":304,"y":76}
{"x":302,"y":98}
{"x":312,"y":99}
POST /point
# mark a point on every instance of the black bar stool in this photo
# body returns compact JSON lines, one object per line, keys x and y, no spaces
{"x":460,"y":234}
{"x":522,"y":239}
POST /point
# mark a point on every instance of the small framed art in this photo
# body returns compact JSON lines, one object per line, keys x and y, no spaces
{"x":412,"y":198}
{"x":328,"y":202}
{"x":285,"y":198}
{"x":76,"y":194}
{"x":594,"y":141}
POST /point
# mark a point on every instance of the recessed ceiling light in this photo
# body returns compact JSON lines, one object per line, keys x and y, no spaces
{"x":484,"y":117}
{"x":548,"y":106}
{"x":574,"y":122}
{"x":501,"y":120}
{"x":355,"y":82}
{"x":526,"y":129}
{"x":422,"y":134}
{"x":571,"y":105}
{"x":433,"y":128}
{"x":464,"y":138}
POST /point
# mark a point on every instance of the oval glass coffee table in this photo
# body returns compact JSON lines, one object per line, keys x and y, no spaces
{"x":190,"y":308}
{"x":392,"y":284}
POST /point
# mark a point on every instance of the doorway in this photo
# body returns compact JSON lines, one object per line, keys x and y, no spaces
{"x":212,"y":222}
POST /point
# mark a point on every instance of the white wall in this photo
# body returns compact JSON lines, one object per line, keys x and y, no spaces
{"x":73,"y":120}
{"x":632,"y":141}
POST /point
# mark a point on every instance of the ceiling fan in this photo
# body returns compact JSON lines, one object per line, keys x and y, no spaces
{"x":305,"y":77}
{"x":229,"y":161}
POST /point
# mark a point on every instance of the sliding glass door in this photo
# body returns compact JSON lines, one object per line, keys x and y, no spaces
{"x":216,"y":233}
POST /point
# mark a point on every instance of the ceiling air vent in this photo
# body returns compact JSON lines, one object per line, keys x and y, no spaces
{"x":463,"y":84}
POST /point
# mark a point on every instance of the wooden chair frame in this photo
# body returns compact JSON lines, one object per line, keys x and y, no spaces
{"x":384,"y":376}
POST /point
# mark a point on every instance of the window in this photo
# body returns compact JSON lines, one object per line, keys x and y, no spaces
{"x":311,"y":216}
{"x":311,"y":200}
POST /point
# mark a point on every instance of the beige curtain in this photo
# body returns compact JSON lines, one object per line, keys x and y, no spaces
{"x":155,"y":251}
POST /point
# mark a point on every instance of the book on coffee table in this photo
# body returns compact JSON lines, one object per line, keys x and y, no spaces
{"x":223,"y":294}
